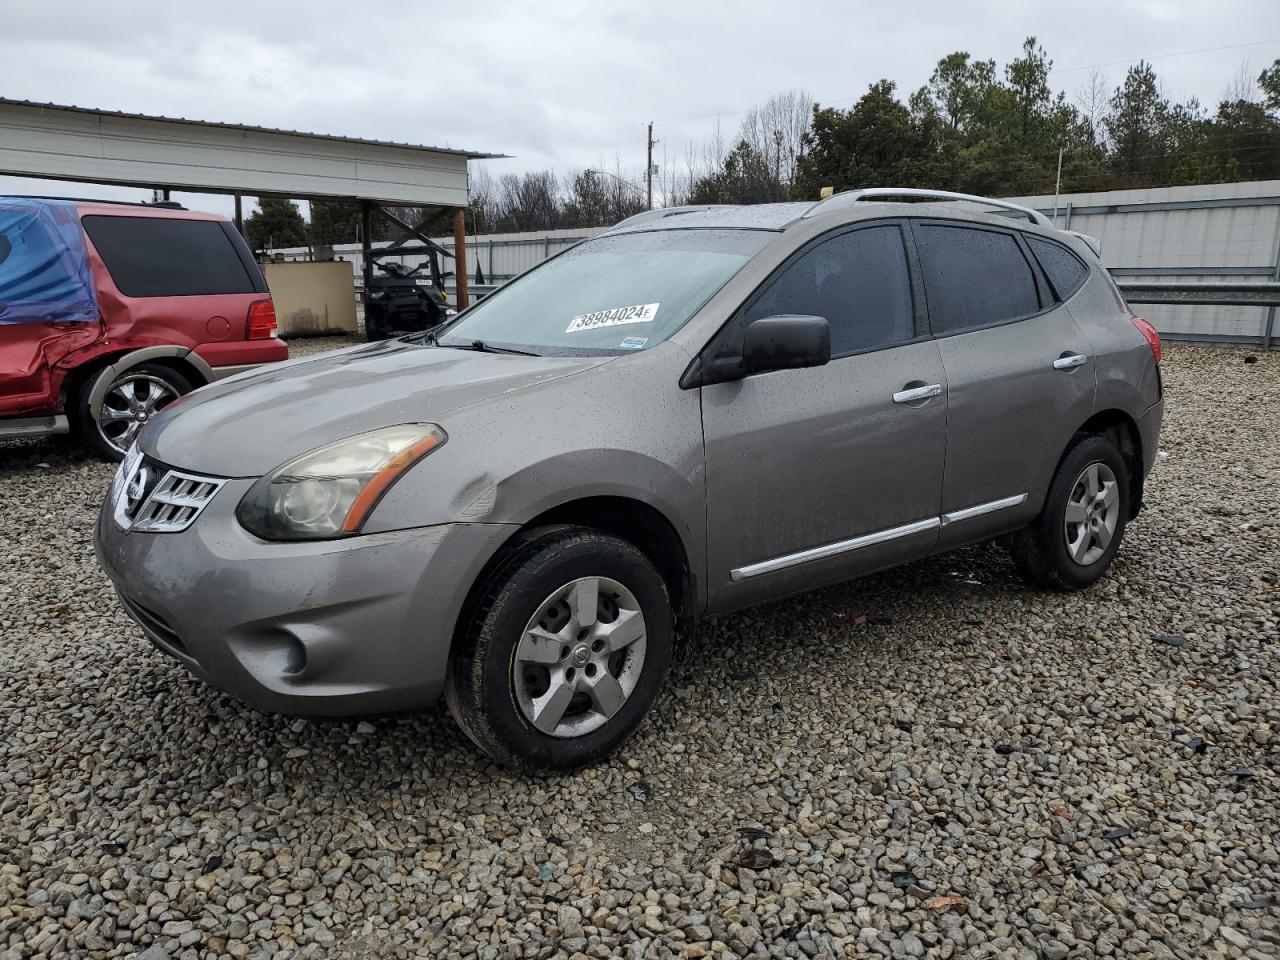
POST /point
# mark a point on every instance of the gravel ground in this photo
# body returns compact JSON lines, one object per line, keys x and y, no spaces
{"x":934,"y":762}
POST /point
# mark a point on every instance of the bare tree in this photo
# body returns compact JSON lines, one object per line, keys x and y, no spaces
{"x":1242,"y":87}
{"x":776,"y":131}
{"x":481,"y":192}
{"x":1093,"y":99}
{"x":528,"y":201}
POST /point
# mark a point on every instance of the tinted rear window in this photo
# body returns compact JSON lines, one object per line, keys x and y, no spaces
{"x":157,"y":257}
{"x":973,"y":278}
{"x":1063,"y":268}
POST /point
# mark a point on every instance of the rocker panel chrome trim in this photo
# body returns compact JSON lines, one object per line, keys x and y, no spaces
{"x":834,"y":549}
{"x":871,"y":539}
{"x":981,"y":509}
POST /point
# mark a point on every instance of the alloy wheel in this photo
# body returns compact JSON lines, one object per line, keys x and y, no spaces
{"x":580,"y":657}
{"x":129,"y":404}
{"x":1093,"y":512}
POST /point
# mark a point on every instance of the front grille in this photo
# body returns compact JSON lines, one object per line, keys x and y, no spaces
{"x":155,"y":499}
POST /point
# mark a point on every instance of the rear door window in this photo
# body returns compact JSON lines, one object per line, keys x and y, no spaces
{"x":974,"y":277}
{"x":858,"y":281}
{"x":1064,"y":269}
{"x":161,"y":257}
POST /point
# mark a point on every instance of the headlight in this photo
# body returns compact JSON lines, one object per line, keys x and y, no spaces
{"x":331,"y":491}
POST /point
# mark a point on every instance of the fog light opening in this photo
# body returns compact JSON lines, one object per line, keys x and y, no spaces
{"x":295,"y":656}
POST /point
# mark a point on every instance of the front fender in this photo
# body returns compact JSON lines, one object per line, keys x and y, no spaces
{"x":620,"y":429}
{"x":429,"y":496}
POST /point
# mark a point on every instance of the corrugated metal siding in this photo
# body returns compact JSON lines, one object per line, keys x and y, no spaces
{"x":1182,"y":241}
{"x":1237,"y":239}
{"x":66,"y":143}
{"x":500,"y":256}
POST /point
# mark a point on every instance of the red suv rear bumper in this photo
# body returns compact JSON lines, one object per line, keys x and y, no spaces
{"x":242,"y":353}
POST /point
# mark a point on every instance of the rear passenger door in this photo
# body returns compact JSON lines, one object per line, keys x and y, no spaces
{"x":1019,"y":375}
{"x":827,"y":472}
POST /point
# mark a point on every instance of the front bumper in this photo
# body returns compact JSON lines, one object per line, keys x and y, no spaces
{"x":339,"y":627}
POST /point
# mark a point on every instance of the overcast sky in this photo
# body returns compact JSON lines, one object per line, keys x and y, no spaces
{"x":571,"y":84}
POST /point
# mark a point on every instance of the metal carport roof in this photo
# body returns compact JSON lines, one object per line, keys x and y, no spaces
{"x":60,"y":142}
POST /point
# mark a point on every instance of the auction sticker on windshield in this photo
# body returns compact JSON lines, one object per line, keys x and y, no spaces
{"x":614,"y":317}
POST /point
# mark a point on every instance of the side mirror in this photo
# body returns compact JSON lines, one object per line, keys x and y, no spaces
{"x":786,"y":342}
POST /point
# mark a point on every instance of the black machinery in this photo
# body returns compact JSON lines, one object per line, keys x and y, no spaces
{"x":401,"y":299}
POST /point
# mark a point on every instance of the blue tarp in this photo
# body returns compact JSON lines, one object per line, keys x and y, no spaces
{"x":44,"y":266}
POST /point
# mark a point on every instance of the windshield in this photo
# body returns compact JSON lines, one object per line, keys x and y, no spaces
{"x":608,"y":295}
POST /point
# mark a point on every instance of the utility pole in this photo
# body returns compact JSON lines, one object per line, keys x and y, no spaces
{"x":648,"y":167}
{"x":1057,"y":188}
{"x":777,"y":163}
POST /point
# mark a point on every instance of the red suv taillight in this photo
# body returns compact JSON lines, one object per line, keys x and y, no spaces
{"x":1153,"y":338}
{"x":262,"y":320}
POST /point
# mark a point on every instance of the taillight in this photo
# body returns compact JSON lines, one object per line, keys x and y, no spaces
{"x":1153,"y":338}
{"x":262,"y":320}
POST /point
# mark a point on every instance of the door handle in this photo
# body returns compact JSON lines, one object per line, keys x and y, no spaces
{"x":918,"y":393}
{"x":1070,"y":361}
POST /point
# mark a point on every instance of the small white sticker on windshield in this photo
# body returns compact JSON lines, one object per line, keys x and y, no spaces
{"x":640,"y":313}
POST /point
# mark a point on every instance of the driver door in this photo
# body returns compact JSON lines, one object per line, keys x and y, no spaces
{"x":823,"y":473}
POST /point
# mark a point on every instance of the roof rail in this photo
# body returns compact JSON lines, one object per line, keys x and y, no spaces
{"x":849,"y":197}
{"x":659,"y":213}
{"x":162,"y":204}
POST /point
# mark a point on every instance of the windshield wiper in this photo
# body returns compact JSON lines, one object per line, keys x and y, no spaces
{"x":482,"y":347}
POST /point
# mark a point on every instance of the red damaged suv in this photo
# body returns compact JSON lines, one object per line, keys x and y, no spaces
{"x":109,"y":311}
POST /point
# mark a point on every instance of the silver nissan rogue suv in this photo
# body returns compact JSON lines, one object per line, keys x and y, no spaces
{"x":698,"y":410}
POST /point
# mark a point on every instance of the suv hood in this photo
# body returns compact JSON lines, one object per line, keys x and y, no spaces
{"x":248,"y":425}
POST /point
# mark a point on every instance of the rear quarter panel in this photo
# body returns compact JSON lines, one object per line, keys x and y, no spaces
{"x":1127,"y":376}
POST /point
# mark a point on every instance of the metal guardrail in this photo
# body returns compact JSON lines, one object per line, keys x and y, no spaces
{"x":1206,"y":294}
{"x":1262,"y":294}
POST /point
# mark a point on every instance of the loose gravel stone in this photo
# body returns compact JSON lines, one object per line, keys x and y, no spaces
{"x":925,"y":763}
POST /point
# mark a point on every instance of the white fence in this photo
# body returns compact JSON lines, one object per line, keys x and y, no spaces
{"x":1205,"y":233}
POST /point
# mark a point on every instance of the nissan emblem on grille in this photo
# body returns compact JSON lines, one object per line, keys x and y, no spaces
{"x":152,"y":499}
{"x":136,"y":490}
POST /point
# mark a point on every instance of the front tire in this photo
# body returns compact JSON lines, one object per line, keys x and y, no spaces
{"x":108,"y":427}
{"x":563,"y":652}
{"x":1075,"y":538}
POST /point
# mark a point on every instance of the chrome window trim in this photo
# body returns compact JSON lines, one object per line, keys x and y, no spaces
{"x":871,"y":539}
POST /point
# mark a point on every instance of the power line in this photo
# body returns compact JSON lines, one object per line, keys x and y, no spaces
{"x":1165,"y":56}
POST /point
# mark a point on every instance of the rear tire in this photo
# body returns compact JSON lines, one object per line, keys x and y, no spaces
{"x":1075,"y":538}
{"x":559,"y":659}
{"x":375,"y":323}
{"x":131,"y":399}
